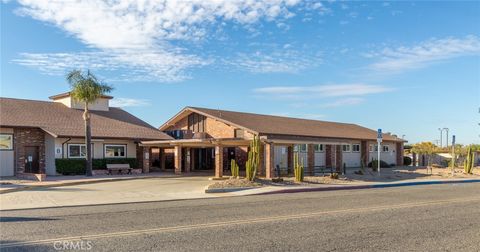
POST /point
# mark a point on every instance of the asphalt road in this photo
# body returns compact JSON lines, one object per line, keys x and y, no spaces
{"x":420,"y":218}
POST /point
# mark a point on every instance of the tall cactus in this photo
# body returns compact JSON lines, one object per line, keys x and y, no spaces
{"x":298,"y":168}
{"x":234,"y":168}
{"x":253,"y":158}
{"x":469,"y":162}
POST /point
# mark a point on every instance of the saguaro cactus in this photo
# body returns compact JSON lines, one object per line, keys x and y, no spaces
{"x":298,"y":168}
{"x":234,"y":168}
{"x":253,"y":159}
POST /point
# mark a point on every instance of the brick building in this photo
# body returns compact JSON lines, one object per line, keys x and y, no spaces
{"x":33,"y":134}
{"x":210,"y":138}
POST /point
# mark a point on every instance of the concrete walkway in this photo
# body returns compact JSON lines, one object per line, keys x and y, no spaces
{"x":125,"y":191}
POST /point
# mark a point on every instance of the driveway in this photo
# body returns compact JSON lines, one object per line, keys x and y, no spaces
{"x":154,"y":189}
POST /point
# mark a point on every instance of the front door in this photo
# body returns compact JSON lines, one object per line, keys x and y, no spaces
{"x":32,"y":164}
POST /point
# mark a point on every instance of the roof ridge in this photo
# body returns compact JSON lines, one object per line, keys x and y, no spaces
{"x":257,"y":114}
{"x":22,"y":99}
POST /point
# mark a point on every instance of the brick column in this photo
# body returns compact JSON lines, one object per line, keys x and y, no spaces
{"x":187,"y":159}
{"x":261,"y":162}
{"x":414,"y":159}
{"x":290,"y":158}
{"x":178,"y":159}
{"x":269,"y":161}
{"x":218,"y":161}
{"x":161,"y":153}
{"x":339,"y":158}
{"x":328,"y":155}
{"x":146,"y":159}
{"x":310,"y":159}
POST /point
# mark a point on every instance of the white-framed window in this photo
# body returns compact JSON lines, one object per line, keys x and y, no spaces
{"x":115,"y":150}
{"x":318,"y":147}
{"x":6,"y":141}
{"x":373,"y":148}
{"x":346,"y":148}
{"x":76,"y":150}
{"x":385,"y":148}
{"x":300,"y":148}
{"x":356,"y":147}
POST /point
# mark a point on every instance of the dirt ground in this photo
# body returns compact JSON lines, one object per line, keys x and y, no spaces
{"x":386,"y":175}
{"x":410,"y":172}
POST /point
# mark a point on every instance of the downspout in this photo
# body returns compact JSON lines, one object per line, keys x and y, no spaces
{"x":63,"y":144}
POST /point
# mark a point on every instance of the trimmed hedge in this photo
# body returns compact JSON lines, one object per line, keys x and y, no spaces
{"x":67,"y":166}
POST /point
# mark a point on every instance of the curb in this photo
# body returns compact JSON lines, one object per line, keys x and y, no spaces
{"x":28,"y":187}
{"x":355,"y":187}
{"x":229,"y":189}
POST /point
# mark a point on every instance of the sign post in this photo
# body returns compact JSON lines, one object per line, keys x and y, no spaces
{"x":453,"y":155}
{"x":379,"y":141}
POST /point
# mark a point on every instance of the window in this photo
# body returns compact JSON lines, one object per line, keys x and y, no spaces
{"x":196,"y":122}
{"x":385,"y":148}
{"x":115,"y":150}
{"x":372,"y":149}
{"x":6,"y":142}
{"x":356,"y":147}
{"x":346,"y":148}
{"x":303,"y":148}
{"x":77,"y":150}
{"x":239,"y":133}
{"x":300,"y":148}
{"x":318,"y":147}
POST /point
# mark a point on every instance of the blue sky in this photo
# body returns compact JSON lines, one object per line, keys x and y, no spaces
{"x":406,"y":67}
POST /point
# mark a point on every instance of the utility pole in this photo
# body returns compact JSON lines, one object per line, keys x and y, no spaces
{"x":441,"y":136}
{"x":446,"y":129}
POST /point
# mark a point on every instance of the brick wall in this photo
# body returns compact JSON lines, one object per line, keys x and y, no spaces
{"x":24,"y":137}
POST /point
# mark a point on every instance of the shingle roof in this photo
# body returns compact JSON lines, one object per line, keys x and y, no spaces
{"x":278,"y":125}
{"x":62,"y":121}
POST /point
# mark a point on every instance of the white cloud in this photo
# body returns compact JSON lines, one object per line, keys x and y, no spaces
{"x":139,"y":35}
{"x":279,"y":61}
{"x":125,"y":65}
{"x":128,"y":102}
{"x":331,"y":90}
{"x":393,"y":60}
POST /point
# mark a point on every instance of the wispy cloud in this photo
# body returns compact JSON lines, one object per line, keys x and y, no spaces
{"x":124,"y":65}
{"x":279,"y":61}
{"x":140,"y":35}
{"x":321,"y":96}
{"x":128,"y":102}
{"x":395,"y":60}
{"x":330,"y":90}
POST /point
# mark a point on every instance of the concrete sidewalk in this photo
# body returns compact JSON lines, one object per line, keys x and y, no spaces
{"x":123,"y":191}
{"x":13,"y":184}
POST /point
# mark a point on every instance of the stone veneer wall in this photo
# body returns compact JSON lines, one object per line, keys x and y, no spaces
{"x":28,"y":137}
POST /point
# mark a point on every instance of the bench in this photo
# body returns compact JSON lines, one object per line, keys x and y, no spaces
{"x":119,"y":168}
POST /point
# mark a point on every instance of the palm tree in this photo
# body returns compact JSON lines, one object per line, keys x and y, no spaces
{"x":86,"y":88}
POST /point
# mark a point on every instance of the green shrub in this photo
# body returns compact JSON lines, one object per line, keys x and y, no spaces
{"x":373,"y":164}
{"x":70,"y":166}
{"x":407,"y":160}
{"x":67,"y":166}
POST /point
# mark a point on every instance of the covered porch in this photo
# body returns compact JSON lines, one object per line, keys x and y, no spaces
{"x":185,"y":156}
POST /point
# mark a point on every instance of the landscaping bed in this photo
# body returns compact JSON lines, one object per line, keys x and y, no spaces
{"x":234,"y":183}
